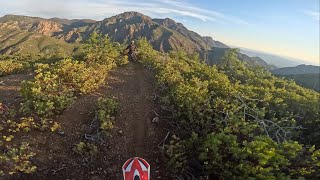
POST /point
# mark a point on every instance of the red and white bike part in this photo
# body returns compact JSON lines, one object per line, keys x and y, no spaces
{"x":136,"y":169}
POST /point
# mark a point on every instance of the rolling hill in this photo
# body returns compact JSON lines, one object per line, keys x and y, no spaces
{"x":33,"y":35}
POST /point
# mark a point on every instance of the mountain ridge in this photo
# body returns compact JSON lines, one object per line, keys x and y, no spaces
{"x":164,"y":34}
{"x":300,"y":69}
{"x":274,"y":59}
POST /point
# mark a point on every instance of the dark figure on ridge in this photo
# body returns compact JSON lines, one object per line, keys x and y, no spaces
{"x":132,"y":51}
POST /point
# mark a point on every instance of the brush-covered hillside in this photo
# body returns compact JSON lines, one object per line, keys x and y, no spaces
{"x":80,"y":114}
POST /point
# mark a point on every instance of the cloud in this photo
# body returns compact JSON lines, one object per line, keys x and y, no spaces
{"x":99,"y":9}
{"x":313,"y":14}
{"x":210,"y":14}
{"x":184,"y":13}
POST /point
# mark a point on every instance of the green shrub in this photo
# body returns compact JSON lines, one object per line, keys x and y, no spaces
{"x":79,"y":77}
{"x":234,"y":122}
{"x":146,"y":54}
{"x":85,"y":148}
{"x":55,"y":86}
{"x":8,"y":67}
{"x":100,"y":49}
{"x":222,"y":155}
{"x":16,"y":159}
{"x":46,"y":94}
{"x":106,"y":110}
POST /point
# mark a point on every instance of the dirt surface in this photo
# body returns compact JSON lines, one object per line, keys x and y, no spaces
{"x":133,"y":134}
{"x":134,"y":89}
{"x":10,"y":86}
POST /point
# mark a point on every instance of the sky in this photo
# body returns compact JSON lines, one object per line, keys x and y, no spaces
{"x":288,"y":28}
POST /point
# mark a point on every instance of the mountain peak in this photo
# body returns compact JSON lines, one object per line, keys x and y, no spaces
{"x":169,"y":23}
{"x":131,"y":14}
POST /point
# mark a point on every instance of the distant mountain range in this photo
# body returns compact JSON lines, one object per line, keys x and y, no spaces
{"x":273,"y":59}
{"x":300,"y":69}
{"x":305,"y":75}
{"x":215,"y":55}
{"x":23,"y":34}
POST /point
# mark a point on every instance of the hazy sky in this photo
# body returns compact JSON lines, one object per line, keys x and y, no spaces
{"x":285,"y":27}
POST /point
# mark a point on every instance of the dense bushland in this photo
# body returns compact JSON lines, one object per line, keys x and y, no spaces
{"x":10,"y":67}
{"x":57,"y":82}
{"x":56,"y":85}
{"x":235,"y":122}
{"x":21,"y":63}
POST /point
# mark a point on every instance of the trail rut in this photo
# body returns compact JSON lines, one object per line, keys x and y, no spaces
{"x":133,"y":86}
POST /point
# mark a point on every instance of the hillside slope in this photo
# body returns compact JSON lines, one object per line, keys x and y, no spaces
{"x":23,"y":34}
{"x":32,"y":35}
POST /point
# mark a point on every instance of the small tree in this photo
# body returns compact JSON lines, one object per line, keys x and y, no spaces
{"x":100,"y":49}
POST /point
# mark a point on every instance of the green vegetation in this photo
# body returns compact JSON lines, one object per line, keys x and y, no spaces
{"x":10,"y":67}
{"x":86,"y":150}
{"x":229,"y":121}
{"x":16,"y":159}
{"x":19,"y":42}
{"x":106,"y":110}
{"x":13,"y":64}
{"x":55,"y":85}
{"x":100,"y":49}
{"x":235,"y":122}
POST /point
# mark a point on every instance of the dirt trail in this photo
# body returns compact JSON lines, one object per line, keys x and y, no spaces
{"x":133,"y":134}
{"x":133,"y":86}
{"x":133,"y":89}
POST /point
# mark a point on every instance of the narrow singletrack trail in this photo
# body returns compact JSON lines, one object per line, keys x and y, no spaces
{"x":133,"y":134}
{"x":134,"y":88}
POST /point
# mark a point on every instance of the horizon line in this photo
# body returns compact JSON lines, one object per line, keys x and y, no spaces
{"x":308,"y":62}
